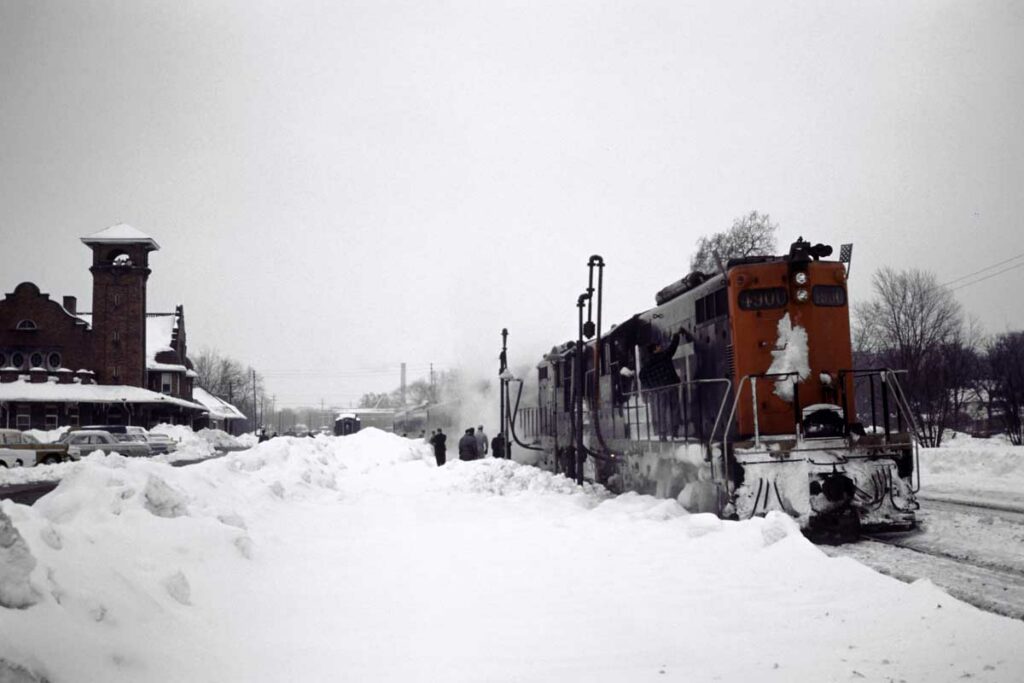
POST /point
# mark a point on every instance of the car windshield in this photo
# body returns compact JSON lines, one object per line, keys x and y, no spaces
{"x":29,"y":438}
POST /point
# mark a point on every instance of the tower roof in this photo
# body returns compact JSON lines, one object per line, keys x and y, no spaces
{"x":122,"y":233}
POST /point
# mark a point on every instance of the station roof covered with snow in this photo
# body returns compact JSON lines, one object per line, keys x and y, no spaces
{"x":33,"y":392}
{"x":218,"y":407}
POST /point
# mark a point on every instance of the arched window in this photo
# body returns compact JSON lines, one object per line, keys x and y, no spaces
{"x":27,"y":324}
{"x":36,"y":360}
{"x":18,"y":360}
{"x":122,"y":260}
{"x":53,"y":360}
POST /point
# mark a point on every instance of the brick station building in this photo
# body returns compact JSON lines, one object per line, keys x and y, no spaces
{"x":118,"y":364}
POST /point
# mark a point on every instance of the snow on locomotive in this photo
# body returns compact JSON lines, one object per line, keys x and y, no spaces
{"x":736,"y":395}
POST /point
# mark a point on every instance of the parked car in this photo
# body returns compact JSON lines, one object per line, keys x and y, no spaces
{"x":19,"y":449}
{"x":161,"y":443}
{"x":84,"y":441}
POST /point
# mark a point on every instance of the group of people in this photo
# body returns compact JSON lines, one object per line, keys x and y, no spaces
{"x":472,"y":445}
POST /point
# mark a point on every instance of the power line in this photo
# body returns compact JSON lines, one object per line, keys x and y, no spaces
{"x":987,"y":277}
{"x":982,"y":270}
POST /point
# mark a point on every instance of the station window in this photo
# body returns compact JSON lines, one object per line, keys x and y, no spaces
{"x":51,"y":417}
{"x":37,"y":360}
{"x":27,"y":325}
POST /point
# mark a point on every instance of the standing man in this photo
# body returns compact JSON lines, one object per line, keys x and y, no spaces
{"x":498,"y":446}
{"x":438,"y":441}
{"x":467,"y":446}
{"x":481,"y":442}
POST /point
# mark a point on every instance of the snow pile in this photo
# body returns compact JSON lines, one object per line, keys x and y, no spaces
{"x":191,"y":445}
{"x":975,"y":468}
{"x":247,"y":440}
{"x":357,"y":558}
{"x":789,"y":355}
{"x":218,"y":438}
{"x":16,"y":564}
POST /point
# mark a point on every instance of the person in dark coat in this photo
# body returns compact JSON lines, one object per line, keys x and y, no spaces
{"x":438,"y":441}
{"x":498,"y":446}
{"x":657,"y":374}
{"x":467,"y":446}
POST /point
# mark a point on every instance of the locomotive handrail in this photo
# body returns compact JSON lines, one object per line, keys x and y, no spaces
{"x":639,"y":393}
{"x":732,"y":414}
{"x":889,"y":378}
{"x":904,"y":406}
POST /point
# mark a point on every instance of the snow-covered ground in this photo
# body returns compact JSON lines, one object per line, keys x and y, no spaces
{"x":356,"y":558}
{"x":978,"y":469}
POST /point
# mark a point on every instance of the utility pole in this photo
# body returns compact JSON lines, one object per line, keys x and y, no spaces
{"x":255,"y":407}
{"x":433,"y":392}
{"x":403,"y":384}
{"x":323,"y":418}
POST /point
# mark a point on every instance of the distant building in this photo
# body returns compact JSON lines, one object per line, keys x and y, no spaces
{"x":221,"y":414}
{"x":117,"y":364}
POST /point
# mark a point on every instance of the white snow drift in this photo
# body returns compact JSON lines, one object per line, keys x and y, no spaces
{"x":357,"y":559}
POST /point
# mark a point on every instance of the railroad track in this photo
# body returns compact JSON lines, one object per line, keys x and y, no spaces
{"x":904,"y":540}
{"x":986,"y":583}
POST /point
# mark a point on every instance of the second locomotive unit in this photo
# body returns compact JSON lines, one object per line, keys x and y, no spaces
{"x":736,"y":394}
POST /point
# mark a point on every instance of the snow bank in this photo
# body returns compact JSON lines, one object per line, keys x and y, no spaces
{"x":356,"y":558}
{"x":974,"y":468}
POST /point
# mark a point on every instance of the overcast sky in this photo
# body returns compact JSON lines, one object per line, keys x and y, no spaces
{"x":338,"y":187}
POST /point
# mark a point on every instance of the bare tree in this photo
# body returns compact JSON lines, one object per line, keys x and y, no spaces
{"x":752,"y":234}
{"x":230,"y":380}
{"x":916,"y":325}
{"x":1006,"y":359}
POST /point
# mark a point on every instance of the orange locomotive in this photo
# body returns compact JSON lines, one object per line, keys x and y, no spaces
{"x":736,"y":395}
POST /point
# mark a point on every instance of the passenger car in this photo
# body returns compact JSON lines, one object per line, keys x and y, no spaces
{"x":84,"y":441}
{"x":161,"y":443}
{"x":20,"y":449}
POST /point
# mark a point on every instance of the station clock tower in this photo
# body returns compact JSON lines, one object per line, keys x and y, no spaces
{"x":120,"y":269}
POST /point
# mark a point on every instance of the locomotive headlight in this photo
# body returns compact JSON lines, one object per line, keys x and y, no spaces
{"x":801,"y":278}
{"x":801,"y":295}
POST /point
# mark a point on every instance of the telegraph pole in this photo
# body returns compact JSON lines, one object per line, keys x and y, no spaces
{"x":403,"y":384}
{"x":255,"y":406}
